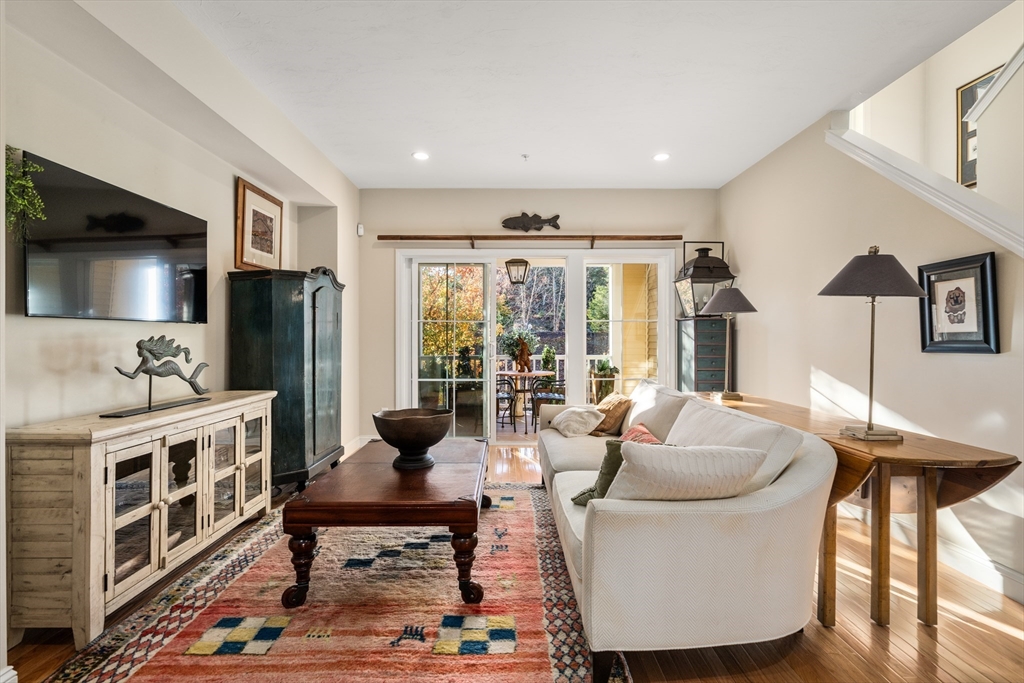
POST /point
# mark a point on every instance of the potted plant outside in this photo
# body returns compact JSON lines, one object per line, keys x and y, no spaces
{"x":548,"y":361}
{"x":603,"y":379}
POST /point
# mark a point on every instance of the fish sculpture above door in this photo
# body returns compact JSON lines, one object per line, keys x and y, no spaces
{"x":526,"y":223}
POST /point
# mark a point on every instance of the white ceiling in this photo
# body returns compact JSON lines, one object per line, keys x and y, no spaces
{"x":590,"y":90}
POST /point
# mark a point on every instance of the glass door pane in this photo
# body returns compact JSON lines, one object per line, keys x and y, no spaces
{"x":538,"y":307}
{"x":181,"y":488}
{"x":452,"y":333}
{"x":622,"y":327}
{"x":225,"y":504}
{"x":133,"y":494}
{"x":227,"y":451}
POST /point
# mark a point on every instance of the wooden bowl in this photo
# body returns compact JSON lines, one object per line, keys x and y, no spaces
{"x":413,"y":431}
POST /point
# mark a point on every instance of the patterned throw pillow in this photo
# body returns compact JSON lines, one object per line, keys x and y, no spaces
{"x":614,"y":406}
{"x":640,"y":434}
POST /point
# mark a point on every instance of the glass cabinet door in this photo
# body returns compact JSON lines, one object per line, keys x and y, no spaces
{"x":133,"y":527}
{"x":224,"y":442}
{"x":182,"y":525}
{"x":254,"y":475}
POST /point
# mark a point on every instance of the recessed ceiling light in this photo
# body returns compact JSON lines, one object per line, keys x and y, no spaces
{"x":661,"y":156}
{"x":422,"y":156}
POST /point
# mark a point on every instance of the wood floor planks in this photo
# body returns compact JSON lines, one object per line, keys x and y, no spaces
{"x":979,"y":638}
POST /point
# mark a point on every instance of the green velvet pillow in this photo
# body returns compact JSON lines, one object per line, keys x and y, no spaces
{"x":609,"y":468}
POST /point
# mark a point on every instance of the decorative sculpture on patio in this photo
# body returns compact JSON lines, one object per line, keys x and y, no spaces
{"x":152,"y":350}
{"x":523,"y":357}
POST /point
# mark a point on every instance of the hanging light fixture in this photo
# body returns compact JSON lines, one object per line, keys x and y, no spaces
{"x":700,"y":278}
{"x":517,"y":269}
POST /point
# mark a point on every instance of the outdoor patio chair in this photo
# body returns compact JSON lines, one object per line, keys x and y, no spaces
{"x":546,"y":390}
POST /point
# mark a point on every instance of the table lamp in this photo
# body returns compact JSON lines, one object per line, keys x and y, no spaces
{"x":873,"y":275}
{"x":727,"y":302}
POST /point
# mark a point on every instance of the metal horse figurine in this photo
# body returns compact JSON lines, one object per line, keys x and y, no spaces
{"x":152,"y":350}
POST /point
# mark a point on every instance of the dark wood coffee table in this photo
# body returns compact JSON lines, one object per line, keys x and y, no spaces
{"x":365,"y":490}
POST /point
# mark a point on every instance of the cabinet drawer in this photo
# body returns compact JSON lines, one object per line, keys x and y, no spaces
{"x":711,"y":362}
{"x":712,"y":337}
{"x":710,"y":386}
{"x":711,"y":350}
{"x":711,"y":324}
{"x":711,"y":375}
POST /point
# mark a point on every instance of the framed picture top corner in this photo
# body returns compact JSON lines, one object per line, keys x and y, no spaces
{"x":258,"y":228}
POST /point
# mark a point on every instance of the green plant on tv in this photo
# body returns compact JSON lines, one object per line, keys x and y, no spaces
{"x":22,"y":202}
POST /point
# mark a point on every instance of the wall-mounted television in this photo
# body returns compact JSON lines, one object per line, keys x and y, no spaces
{"x":104,"y":252}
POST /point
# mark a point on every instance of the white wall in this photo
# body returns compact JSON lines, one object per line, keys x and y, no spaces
{"x":693,"y":213}
{"x":1001,"y":145}
{"x":917,"y":114}
{"x":794,"y":220}
{"x":58,"y":368}
{"x":152,"y":106}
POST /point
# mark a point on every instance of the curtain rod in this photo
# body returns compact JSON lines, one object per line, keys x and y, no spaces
{"x":473,"y":239}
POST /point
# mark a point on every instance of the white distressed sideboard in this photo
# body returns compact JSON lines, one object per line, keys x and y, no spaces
{"x":99,"y":509}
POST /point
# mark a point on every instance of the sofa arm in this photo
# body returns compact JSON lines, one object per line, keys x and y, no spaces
{"x":547,"y":413}
{"x":663,"y":575}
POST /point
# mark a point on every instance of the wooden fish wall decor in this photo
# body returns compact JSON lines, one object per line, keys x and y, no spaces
{"x":526,"y":223}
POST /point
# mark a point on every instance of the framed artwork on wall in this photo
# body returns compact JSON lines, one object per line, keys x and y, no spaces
{"x":959,"y":313}
{"x":257,"y":228}
{"x":966,"y":132}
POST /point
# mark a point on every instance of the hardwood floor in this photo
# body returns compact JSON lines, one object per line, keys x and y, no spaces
{"x":979,"y":639}
{"x":522,"y":436}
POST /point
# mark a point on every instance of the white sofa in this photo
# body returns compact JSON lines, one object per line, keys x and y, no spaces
{"x":656,"y":575}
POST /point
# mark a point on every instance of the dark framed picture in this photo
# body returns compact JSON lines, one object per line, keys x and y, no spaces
{"x":257,"y":228}
{"x":959,"y":313}
{"x":967,"y":134}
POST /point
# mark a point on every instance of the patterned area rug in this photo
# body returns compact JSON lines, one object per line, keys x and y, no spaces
{"x":383,"y":605}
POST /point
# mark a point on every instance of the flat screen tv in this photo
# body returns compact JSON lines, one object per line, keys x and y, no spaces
{"x":107,"y":253}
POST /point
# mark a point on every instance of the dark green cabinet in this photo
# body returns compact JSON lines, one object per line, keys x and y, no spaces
{"x":286,"y":335}
{"x":702,"y":358}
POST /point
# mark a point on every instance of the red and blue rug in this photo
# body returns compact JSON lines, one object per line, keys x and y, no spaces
{"x":383,"y":605}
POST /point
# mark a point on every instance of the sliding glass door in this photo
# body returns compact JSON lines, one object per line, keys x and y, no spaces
{"x":452,"y":332}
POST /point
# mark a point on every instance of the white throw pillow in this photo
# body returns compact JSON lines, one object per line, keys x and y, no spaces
{"x":656,"y":406}
{"x":651,"y":472}
{"x":577,"y":420}
{"x":702,"y":423}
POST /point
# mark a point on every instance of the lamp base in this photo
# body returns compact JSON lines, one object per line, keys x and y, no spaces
{"x":864,"y":434}
{"x":730,"y":396}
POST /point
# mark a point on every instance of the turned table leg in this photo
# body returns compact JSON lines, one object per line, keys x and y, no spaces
{"x":303,"y":547}
{"x":464,"y":542}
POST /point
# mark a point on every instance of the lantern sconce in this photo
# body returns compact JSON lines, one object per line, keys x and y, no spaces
{"x":517,"y":269}
{"x":700,"y":278}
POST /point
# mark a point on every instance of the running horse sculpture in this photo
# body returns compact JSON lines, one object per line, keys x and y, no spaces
{"x":155,"y":349}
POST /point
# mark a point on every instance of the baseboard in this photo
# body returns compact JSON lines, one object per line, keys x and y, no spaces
{"x":8,"y":675}
{"x":994,"y":575}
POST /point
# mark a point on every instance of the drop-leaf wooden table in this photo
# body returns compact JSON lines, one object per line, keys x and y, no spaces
{"x":946,"y":472}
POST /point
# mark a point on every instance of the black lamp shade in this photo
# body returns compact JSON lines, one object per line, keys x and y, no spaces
{"x":873,"y":274}
{"x":730,"y":300}
{"x":517,"y":269}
